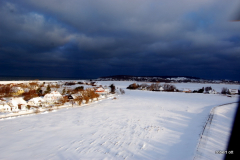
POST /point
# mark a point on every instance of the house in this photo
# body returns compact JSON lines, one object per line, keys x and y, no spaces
{"x":52,"y":97}
{"x":15,"y":91}
{"x":186,"y":90}
{"x":161,"y":88}
{"x":102,"y":91}
{"x":14,"y":103}
{"x":4,"y":107}
{"x":74,"y":96}
{"x":212,"y":91}
{"x":22,"y":107}
{"x":70,"y":97}
{"x":233,"y":91}
{"x":37,"y":101}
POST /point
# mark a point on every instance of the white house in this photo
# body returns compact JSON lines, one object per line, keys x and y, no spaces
{"x":212,"y":91}
{"x":37,"y":101}
{"x":14,"y":103}
{"x":4,"y":107}
{"x":233,"y":91}
{"x":161,"y":88}
{"x":52,"y":97}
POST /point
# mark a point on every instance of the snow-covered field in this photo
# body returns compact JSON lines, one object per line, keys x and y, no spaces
{"x":137,"y":125}
{"x":217,"y":133}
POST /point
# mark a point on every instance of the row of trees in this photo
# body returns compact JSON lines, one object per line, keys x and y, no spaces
{"x":74,"y":83}
{"x":5,"y":90}
{"x":152,"y":87}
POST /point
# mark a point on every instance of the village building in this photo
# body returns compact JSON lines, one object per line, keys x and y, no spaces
{"x":22,"y":107}
{"x":37,"y":101}
{"x":161,"y":88}
{"x":212,"y":91}
{"x":15,"y":91}
{"x":4,"y":107}
{"x":52,"y":97}
{"x":233,"y":91}
{"x":14,"y":103}
{"x":186,"y":90}
{"x":102,"y":91}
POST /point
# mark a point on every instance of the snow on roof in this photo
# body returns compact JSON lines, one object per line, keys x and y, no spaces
{"x":233,"y":90}
{"x":15,"y":89}
{"x":17,"y":100}
{"x":53,"y":93}
{"x":37,"y":99}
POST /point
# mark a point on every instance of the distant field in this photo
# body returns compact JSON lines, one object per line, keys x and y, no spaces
{"x":191,"y":86}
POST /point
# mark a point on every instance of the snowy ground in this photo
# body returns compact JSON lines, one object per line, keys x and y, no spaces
{"x":137,"y":125}
{"x":217,"y":134}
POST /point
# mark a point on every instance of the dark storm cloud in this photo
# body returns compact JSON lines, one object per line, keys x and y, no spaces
{"x":137,"y":37}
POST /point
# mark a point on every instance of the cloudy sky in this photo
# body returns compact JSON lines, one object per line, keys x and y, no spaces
{"x":92,"y":38}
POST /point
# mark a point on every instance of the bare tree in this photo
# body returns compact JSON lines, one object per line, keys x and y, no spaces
{"x":122,"y":91}
{"x":78,"y":100}
{"x":169,"y":87}
{"x":224,"y":90}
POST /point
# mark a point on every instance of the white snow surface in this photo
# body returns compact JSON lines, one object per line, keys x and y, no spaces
{"x":137,"y":125}
{"x":217,"y":135}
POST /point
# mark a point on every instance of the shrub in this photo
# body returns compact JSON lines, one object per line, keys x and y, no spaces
{"x":201,"y":90}
{"x":37,"y":111}
{"x":169,"y":87}
{"x":48,"y":90}
{"x":29,"y":95}
{"x":63,"y":91}
{"x":64,"y":100}
{"x":70,"y":83}
{"x":224,"y":90}
{"x":208,"y":88}
{"x":133,"y":86}
{"x":5,"y":90}
{"x":113,"y":88}
{"x":78,"y":100}
{"x":122,"y":91}
{"x":89,"y":94}
{"x":50,"y":109}
{"x":81,"y":88}
{"x":39,"y":91}
{"x":28,"y":107}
